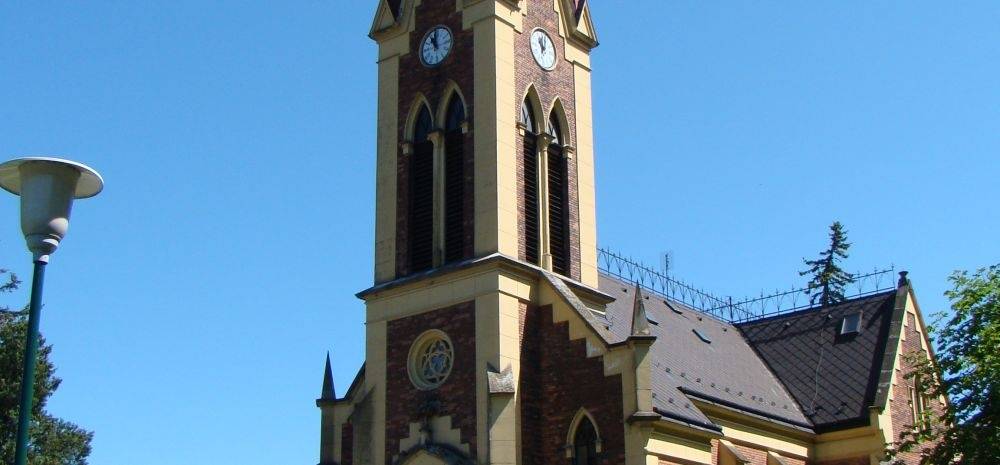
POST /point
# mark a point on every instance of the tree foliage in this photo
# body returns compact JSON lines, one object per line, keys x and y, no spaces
{"x":52,"y":441}
{"x":828,"y":279}
{"x":967,"y":373}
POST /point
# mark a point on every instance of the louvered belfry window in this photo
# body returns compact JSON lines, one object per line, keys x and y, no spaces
{"x":454,"y":181}
{"x":530,"y":154}
{"x":421,"y":205}
{"x":558,"y":199}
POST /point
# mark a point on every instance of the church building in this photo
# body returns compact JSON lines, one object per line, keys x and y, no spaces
{"x":493,"y":334}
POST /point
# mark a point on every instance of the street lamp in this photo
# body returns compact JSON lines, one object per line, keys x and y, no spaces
{"x":47,"y":187}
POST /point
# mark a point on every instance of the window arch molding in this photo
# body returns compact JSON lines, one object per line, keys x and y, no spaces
{"x":419,"y":103}
{"x":578,"y":419}
{"x":557,"y":112}
{"x":451,"y":90}
{"x":533,"y":103}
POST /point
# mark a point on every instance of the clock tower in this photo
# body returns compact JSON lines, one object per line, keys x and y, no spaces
{"x":484,"y":211}
{"x":465,"y":86}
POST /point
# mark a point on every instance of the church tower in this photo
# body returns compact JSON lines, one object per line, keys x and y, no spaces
{"x":485,"y":214}
{"x":485,"y":143}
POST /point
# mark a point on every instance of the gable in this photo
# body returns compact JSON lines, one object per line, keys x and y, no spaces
{"x":578,"y":23}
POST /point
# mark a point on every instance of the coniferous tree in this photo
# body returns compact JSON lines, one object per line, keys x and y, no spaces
{"x":828,"y":279}
{"x":52,"y":441}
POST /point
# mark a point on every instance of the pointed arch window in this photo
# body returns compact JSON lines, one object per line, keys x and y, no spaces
{"x":531,"y":238}
{"x":558,"y":197}
{"x":421,"y":194}
{"x":528,"y":117}
{"x":585,"y":443}
{"x":454,"y":181}
{"x":424,"y":125}
{"x":555,"y":129}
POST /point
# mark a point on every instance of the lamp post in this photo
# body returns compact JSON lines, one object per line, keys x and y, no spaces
{"x":47,"y":187}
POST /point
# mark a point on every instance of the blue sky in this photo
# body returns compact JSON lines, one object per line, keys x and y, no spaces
{"x":193,"y":302}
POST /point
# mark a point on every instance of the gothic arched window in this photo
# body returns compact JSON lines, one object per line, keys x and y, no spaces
{"x":454,"y":181}
{"x":421,"y":193}
{"x":424,"y":125}
{"x":528,"y":117}
{"x":555,"y":129}
{"x":530,"y":184}
{"x":585,"y":443}
{"x":558,"y":197}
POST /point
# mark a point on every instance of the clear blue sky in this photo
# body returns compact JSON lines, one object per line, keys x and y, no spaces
{"x":193,"y":301}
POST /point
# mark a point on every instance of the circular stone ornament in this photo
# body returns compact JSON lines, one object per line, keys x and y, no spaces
{"x":430,"y":360}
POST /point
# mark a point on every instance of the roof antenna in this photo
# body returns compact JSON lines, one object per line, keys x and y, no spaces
{"x":666,"y":259}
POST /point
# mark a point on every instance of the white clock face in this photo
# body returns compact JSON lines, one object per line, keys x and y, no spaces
{"x":436,"y":46}
{"x":543,"y":49}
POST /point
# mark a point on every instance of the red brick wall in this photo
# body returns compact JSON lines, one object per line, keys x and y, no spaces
{"x":755,"y":456}
{"x":558,"y":83}
{"x":456,"y":396}
{"x":414,"y":79}
{"x":900,"y":408}
{"x":347,"y":444}
{"x":557,"y":379}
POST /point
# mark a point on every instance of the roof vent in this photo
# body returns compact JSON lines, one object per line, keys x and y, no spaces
{"x":851,"y":324}
{"x":702,"y":336}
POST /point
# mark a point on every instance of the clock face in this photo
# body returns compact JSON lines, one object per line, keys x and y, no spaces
{"x":543,"y":49}
{"x":436,"y":46}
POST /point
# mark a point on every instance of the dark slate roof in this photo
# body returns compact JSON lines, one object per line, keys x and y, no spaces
{"x":833,"y":377}
{"x":725,"y":371}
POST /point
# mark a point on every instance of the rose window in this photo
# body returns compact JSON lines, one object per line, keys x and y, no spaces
{"x":431,"y":358}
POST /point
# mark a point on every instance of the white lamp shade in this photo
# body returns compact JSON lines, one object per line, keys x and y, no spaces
{"x":47,"y":187}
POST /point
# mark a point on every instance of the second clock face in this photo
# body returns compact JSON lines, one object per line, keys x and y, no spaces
{"x":543,"y":49}
{"x":436,"y":46}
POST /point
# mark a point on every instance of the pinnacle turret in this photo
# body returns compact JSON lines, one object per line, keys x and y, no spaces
{"x":329,"y":393}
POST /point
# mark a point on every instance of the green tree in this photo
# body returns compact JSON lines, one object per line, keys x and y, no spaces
{"x":53,"y":441}
{"x":967,"y":373}
{"x":828,"y":279}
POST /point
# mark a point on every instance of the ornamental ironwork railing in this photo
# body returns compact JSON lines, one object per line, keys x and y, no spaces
{"x":631,"y":270}
{"x":728,"y":308}
{"x":792,"y":300}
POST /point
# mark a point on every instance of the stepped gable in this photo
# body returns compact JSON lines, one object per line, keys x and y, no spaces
{"x":833,"y":377}
{"x":699,"y":356}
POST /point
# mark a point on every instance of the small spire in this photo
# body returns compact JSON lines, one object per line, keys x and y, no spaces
{"x":640,"y":325}
{"x":329,"y":393}
{"x":903,"y":280}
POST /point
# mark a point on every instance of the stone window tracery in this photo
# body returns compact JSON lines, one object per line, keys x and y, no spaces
{"x":431,"y":359}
